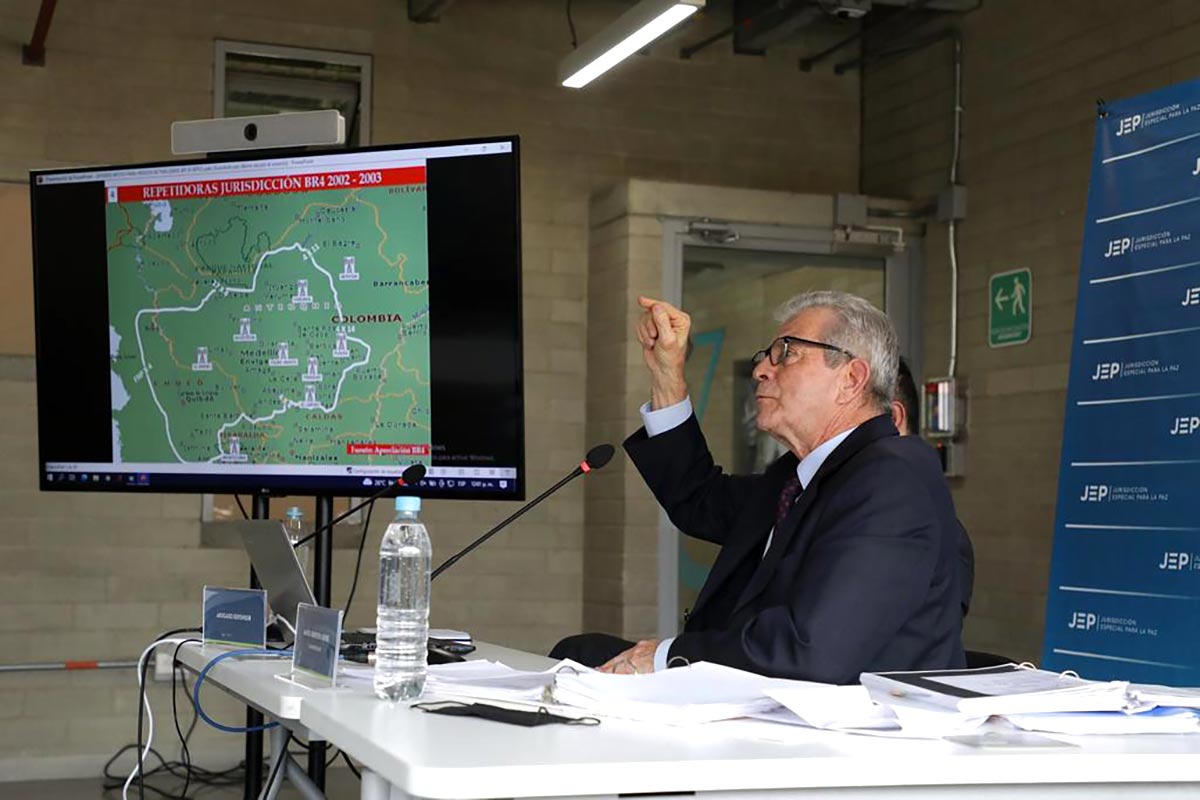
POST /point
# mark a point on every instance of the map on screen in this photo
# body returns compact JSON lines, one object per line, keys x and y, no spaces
{"x":274,"y":319}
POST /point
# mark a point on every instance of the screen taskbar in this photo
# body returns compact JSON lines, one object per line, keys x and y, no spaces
{"x":124,"y":475}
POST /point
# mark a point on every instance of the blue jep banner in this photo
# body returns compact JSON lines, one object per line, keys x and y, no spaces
{"x":1124,"y":595}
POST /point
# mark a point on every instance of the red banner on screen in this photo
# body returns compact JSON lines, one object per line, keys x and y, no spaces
{"x":273,"y":184}
{"x":379,"y":449}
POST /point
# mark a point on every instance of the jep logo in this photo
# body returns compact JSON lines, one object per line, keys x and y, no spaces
{"x":1175,"y":561}
{"x":1082,"y":621}
{"x":1118,"y":247}
{"x":1191,"y":297}
{"x":1106,"y":371}
{"x":1185,"y":426}
{"x":1094,"y":493}
{"x":1127,"y":125}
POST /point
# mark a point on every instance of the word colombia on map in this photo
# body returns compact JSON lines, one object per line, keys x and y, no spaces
{"x":270,"y":320}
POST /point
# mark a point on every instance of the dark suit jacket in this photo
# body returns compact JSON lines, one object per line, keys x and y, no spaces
{"x":863,"y":574}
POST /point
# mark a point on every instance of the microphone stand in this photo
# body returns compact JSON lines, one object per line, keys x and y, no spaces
{"x":452,"y":560}
{"x":412,"y":475}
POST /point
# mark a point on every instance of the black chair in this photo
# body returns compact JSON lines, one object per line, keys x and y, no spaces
{"x":978,"y":658}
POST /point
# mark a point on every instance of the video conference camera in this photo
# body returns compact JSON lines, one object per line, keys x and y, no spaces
{"x":258,"y":132}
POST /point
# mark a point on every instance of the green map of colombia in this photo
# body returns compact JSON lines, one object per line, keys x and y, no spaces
{"x":277,"y":320}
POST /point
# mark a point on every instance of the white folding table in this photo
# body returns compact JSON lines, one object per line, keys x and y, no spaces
{"x":409,"y":753}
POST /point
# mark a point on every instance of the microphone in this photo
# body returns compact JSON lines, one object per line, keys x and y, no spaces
{"x":413,"y":474}
{"x":596,"y":458}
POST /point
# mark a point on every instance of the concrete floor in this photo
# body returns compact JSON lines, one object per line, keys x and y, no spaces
{"x":340,"y":783}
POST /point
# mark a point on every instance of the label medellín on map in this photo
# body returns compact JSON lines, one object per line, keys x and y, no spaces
{"x":278,"y":319}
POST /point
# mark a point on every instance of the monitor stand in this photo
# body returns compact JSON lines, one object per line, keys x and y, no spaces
{"x":322,"y":581}
{"x":254,"y":739}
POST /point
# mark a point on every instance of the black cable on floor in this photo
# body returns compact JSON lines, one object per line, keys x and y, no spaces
{"x":184,"y":753}
{"x":141,"y":705}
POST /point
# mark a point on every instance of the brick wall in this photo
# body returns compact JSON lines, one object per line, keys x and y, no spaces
{"x":1032,"y":74}
{"x":119,"y":71}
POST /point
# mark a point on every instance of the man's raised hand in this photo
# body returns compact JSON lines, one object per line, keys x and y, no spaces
{"x":662,"y":331}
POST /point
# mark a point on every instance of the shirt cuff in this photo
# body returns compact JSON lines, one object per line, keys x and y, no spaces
{"x":664,"y":419}
{"x":660,"y":654}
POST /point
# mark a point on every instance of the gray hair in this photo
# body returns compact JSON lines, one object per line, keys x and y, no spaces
{"x":860,"y":328}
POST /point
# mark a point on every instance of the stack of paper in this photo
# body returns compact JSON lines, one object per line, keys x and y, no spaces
{"x":924,"y":705}
{"x":1168,"y":696}
{"x":684,"y":695}
{"x":1002,"y":690}
{"x":491,"y":680}
{"x":1158,"y":720}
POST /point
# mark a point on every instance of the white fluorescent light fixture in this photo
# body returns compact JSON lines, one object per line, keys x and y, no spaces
{"x":633,"y":30}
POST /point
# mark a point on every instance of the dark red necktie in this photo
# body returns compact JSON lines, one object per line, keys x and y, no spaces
{"x":787,"y":498}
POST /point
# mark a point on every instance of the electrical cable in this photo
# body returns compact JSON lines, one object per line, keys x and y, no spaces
{"x":242,"y":507}
{"x":145,"y":662}
{"x":283,"y":620}
{"x":571,"y":25}
{"x":350,"y":764}
{"x":284,"y":755}
{"x":951,"y":232}
{"x":184,"y":753}
{"x":253,"y":651}
{"x":144,"y":705}
{"x":358,"y":562}
{"x":225,"y":778}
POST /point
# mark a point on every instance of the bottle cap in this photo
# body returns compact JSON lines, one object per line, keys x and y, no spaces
{"x":408,"y":503}
{"x":294,"y":512}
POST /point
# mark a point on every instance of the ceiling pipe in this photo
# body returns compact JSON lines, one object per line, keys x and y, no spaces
{"x":34,"y":53}
{"x":808,"y":62}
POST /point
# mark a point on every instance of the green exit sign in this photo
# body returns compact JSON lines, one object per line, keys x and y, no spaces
{"x":1010,"y":308}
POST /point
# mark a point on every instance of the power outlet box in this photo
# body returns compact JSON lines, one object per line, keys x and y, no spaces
{"x":162,"y":665}
{"x":952,"y":203}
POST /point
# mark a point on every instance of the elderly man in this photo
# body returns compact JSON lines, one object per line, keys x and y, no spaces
{"x":843,"y":556}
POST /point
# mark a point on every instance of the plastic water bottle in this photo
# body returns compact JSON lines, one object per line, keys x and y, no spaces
{"x":402,"y":620}
{"x":297,"y":530}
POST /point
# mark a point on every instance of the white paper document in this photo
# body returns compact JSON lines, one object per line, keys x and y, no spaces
{"x":697,"y":693}
{"x":914,"y":721}
{"x":1008,"y":689}
{"x":1017,"y":681}
{"x":1161,"y":720}
{"x":833,"y":708}
{"x":924,"y":721}
{"x":1171,"y":696}
{"x":492,"y":680}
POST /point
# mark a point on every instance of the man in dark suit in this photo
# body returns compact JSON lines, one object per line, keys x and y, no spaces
{"x":843,"y":556}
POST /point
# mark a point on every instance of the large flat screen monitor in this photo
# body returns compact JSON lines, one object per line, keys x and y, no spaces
{"x":303,"y":324}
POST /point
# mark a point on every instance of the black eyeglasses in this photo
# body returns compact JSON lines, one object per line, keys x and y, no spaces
{"x":777,"y":351}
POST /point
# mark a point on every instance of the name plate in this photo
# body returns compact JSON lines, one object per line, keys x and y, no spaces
{"x":318,"y":640}
{"x":235,"y":617}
